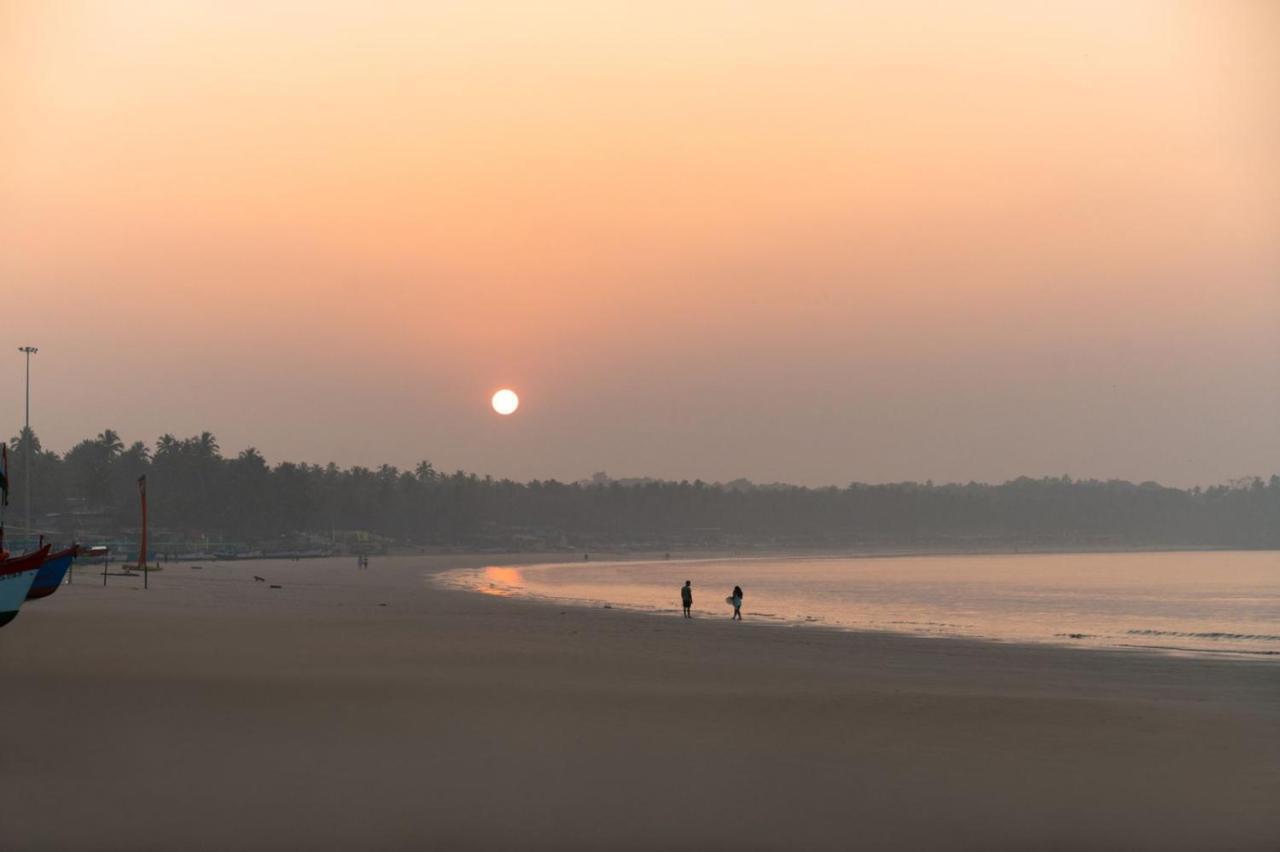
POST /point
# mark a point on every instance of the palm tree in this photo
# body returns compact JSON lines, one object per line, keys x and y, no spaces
{"x":110,"y":443}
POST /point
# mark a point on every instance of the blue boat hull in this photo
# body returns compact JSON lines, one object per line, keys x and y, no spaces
{"x":13,"y":591}
{"x":51,"y":573}
{"x":16,"y":576}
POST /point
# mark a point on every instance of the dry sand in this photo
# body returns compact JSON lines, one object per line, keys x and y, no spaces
{"x":212,"y":712}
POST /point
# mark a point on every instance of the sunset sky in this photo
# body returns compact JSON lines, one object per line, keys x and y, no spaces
{"x":803,"y":241}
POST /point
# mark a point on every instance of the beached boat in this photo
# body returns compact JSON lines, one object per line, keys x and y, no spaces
{"x":16,"y":577}
{"x":51,"y":573}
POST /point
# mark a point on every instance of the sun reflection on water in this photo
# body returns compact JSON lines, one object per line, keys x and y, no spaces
{"x":502,"y":582}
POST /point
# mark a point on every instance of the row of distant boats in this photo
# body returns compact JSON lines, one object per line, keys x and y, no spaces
{"x":31,"y":576}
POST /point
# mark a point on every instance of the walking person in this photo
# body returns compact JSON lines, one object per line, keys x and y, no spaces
{"x":736,"y":600}
{"x":686,"y":597}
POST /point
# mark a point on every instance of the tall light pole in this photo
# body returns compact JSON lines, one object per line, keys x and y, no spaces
{"x":26,"y":462}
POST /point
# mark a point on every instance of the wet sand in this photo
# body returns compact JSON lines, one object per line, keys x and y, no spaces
{"x":212,"y":712}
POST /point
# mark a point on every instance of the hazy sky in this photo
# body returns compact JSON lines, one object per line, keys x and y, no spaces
{"x":800,"y":241}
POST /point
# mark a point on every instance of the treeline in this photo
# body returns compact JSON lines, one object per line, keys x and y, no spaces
{"x":195,"y":492}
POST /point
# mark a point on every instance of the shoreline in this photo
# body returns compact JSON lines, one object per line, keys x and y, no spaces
{"x":861,"y":552}
{"x":442,"y":580}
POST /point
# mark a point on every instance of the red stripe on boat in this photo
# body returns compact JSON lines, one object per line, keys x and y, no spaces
{"x":26,"y":562}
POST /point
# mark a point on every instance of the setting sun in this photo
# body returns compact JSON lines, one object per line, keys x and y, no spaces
{"x":505,"y":401}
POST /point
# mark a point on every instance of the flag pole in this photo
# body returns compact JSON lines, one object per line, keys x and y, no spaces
{"x":142,"y":550}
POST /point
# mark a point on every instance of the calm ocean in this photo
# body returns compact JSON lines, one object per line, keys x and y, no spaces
{"x":1203,"y":602}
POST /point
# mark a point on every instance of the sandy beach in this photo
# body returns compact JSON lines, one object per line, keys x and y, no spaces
{"x":374,"y":710}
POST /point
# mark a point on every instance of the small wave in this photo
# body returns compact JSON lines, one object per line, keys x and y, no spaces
{"x":1265,"y":637}
{"x":1232,"y":652}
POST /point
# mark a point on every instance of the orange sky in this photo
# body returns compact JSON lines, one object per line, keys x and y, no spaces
{"x":791,"y":241}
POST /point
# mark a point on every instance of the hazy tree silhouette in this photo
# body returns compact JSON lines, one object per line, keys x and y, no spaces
{"x":195,"y":491}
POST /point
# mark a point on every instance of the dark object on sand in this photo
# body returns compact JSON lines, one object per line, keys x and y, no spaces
{"x":274,"y":586}
{"x":196,"y":567}
{"x":258,"y":579}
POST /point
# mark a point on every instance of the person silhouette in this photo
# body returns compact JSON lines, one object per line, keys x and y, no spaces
{"x":736,"y":600}
{"x":686,"y":597}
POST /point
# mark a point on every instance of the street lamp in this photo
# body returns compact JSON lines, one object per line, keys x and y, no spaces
{"x":26,"y":462}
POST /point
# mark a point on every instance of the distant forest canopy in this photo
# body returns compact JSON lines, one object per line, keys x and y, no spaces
{"x":197,"y":494}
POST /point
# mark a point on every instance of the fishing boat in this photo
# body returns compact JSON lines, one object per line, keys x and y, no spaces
{"x":50,"y":575}
{"x":16,"y":576}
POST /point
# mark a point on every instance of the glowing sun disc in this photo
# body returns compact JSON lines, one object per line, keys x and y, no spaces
{"x":505,"y":401}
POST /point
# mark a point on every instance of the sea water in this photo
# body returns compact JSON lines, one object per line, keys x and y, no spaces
{"x":1201,"y":602}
